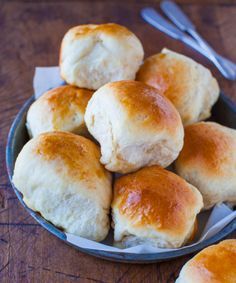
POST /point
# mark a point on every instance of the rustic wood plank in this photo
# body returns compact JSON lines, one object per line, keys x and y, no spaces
{"x":180,"y":2}
{"x":30,"y":36}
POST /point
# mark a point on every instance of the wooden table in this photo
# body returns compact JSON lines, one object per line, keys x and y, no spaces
{"x":30,"y":36}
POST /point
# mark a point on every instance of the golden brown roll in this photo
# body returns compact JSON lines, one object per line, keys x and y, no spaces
{"x":208,"y":161}
{"x":60,"y":176}
{"x":135,"y":126}
{"x":59,"y":109}
{"x":154,"y":206}
{"x":214,"y":264}
{"x":93,"y":55}
{"x":189,"y":86}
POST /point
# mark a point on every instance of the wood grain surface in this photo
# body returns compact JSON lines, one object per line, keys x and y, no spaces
{"x":31,"y":32}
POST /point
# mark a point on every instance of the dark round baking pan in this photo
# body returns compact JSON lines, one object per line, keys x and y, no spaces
{"x":224,"y":112}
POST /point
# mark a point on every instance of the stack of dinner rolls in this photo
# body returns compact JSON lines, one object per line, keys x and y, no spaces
{"x":105,"y":121}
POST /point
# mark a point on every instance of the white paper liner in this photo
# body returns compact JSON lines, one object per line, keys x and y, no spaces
{"x":220,"y":216}
{"x":46,"y":78}
{"x":210,"y":222}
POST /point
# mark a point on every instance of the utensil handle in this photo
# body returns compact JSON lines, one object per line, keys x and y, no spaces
{"x":151,"y":16}
{"x":181,"y":20}
{"x":155,"y":19}
{"x":177,"y":16}
{"x":229,"y":65}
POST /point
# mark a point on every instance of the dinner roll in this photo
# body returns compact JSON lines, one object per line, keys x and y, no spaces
{"x":154,"y":206}
{"x":208,"y":161}
{"x":93,"y":55}
{"x":135,"y":126}
{"x":189,"y":86}
{"x":214,"y":264}
{"x":59,"y":109}
{"x":60,"y":177}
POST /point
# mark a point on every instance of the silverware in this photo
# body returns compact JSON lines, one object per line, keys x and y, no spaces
{"x":182,"y":21}
{"x":155,"y":19}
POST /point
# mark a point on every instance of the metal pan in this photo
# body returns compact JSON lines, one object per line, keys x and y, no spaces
{"x":224,"y":112}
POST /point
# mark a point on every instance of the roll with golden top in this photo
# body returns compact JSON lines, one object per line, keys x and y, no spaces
{"x":59,"y":109}
{"x":214,"y":264}
{"x":208,"y":161}
{"x":154,"y":206}
{"x":135,"y":126}
{"x":189,"y":85}
{"x":93,"y":55}
{"x":60,"y":176}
